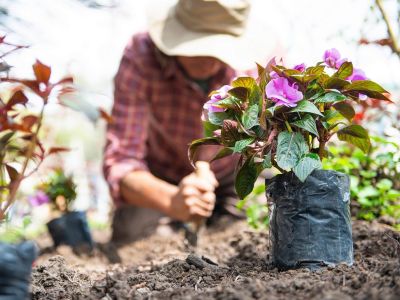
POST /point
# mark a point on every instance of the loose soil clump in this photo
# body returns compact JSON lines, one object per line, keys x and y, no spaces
{"x":231,"y":262}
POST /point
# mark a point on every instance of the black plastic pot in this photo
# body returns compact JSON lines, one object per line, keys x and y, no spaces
{"x":310,"y":222}
{"x":15,"y":269}
{"x":71,"y":229}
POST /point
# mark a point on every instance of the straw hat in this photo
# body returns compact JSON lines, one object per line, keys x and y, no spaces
{"x":216,"y":28}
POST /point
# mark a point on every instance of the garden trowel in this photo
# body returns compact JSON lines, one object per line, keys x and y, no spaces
{"x":192,"y":229}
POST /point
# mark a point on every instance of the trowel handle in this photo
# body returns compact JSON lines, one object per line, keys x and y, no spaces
{"x":203,"y":170}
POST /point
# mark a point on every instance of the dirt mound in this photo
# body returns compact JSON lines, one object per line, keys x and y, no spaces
{"x":231,"y":263}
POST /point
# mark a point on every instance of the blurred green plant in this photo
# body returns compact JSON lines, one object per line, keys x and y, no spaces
{"x":375,"y":178}
{"x":60,"y":189}
{"x":255,"y":207}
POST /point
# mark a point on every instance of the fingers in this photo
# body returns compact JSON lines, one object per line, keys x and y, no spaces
{"x":205,"y":201}
{"x":201,"y":184}
{"x":203,"y":170}
{"x":202,"y":206}
{"x":198,"y":208}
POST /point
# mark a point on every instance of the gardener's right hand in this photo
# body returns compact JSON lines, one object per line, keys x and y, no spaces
{"x":195,"y":198}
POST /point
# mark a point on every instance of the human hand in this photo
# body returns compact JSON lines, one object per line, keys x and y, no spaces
{"x":195,"y":198}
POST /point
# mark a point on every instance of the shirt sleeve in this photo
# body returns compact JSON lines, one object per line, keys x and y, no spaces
{"x":126,"y":135}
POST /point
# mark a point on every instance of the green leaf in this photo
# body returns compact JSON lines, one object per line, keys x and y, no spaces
{"x":193,"y":147}
{"x":267,"y":163}
{"x":254,"y":92}
{"x":345,"y":70}
{"x":314,"y":90}
{"x":245,"y":179}
{"x":307,"y":123}
{"x":246,"y":82}
{"x":229,"y":102}
{"x":250,"y":117}
{"x":306,"y":106}
{"x":242,"y":144}
{"x":217,"y":118}
{"x":317,"y":70}
{"x":306,"y":166}
{"x":209,"y":128}
{"x":222,"y":153}
{"x":330,"y":97}
{"x":241,"y":93}
{"x":356,"y":135}
{"x":291,"y":147}
{"x":367,"y":87}
{"x":345,"y":109}
{"x":367,"y":192}
{"x":336,"y":83}
{"x":384,"y":184}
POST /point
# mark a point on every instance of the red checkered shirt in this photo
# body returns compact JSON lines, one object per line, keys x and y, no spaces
{"x":156,"y":114}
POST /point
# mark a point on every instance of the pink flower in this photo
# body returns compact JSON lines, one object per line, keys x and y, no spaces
{"x":273,"y":75}
{"x":357,"y":75}
{"x":282,"y":93}
{"x":211,"y":105}
{"x":39,"y":199}
{"x":300,"y":67}
{"x":340,"y":62}
{"x":332,"y":58}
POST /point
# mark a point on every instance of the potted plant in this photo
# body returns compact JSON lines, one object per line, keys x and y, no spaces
{"x":68,"y":227}
{"x":284,"y":119}
{"x":21,"y":153}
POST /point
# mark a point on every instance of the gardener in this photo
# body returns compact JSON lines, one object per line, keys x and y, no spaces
{"x":162,"y":83}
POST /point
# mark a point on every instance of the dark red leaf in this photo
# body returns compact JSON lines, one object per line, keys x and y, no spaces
{"x":54,"y":150}
{"x":68,"y":79}
{"x":105,"y":116}
{"x":42,"y":72}
{"x":12,"y":173}
{"x":18,"y":98}
{"x":29,"y":121}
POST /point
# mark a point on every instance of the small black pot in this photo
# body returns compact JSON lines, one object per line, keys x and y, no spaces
{"x":310,"y":221}
{"x":15,"y":269}
{"x":71,"y":229}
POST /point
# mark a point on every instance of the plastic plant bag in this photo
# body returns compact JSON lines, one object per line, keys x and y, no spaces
{"x":71,"y":229}
{"x":15,"y":269}
{"x":310,"y":221}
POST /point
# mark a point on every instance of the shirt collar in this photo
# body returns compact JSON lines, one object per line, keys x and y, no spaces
{"x":170,"y":69}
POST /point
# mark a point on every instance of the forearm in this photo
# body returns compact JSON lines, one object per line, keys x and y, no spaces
{"x":141,"y":188}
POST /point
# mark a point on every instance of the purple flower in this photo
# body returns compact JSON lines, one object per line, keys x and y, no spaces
{"x":39,"y":199}
{"x":300,"y":67}
{"x":332,"y":57}
{"x":340,"y":62}
{"x":273,"y":75}
{"x":357,"y":75}
{"x":211,"y":106}
{"x":220,"y":94}
{"x":282,"y":93}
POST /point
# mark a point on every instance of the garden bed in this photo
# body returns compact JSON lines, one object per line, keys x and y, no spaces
{"x":233,"y":267}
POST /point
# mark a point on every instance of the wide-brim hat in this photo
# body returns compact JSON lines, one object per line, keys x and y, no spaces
{"x":216,"y":28}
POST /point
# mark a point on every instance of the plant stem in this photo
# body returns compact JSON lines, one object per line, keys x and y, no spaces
{"x":395,"y":47}
{"x":321,"y":148}
{"x":15,"y":185}
{"x":288,"y":126}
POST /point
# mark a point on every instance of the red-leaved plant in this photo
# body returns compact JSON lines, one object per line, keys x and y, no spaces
{"x":21,"y":151}
{"x":285,"y":117}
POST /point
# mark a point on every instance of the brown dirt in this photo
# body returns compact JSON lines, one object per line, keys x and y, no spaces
{"x":161,"y":268}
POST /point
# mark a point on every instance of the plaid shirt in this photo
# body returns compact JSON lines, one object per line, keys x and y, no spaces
{"x":156,"y":115}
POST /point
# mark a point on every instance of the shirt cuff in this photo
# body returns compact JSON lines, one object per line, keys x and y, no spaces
{"x":117,"y":172}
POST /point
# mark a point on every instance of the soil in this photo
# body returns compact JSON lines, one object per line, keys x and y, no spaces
{"x":230,"y":262}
